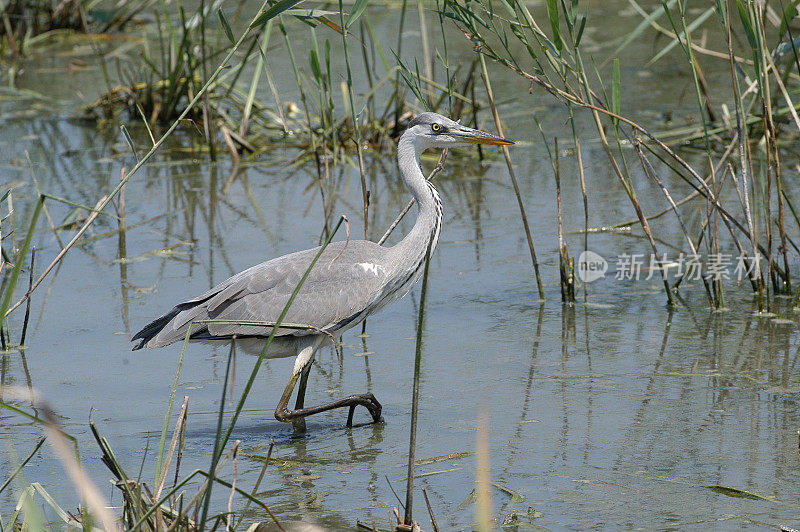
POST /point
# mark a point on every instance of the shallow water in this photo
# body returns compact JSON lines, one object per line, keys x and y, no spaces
{"x":613,"y":413}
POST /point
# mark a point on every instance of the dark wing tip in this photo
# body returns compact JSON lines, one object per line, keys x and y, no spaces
{"x":152,"y":329}
{"x":142,"y":339}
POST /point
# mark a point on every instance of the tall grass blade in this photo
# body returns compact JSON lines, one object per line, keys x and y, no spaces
{"x":412,"y":81}
{"x":789,"y":14}
{"x":23,"y":252}
{"x":412,"y":445}
{"x":747,"y":25}
{"x":216,"y":454}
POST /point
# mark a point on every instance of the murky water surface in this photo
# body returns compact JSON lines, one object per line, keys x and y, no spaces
{"x":615,"y":413}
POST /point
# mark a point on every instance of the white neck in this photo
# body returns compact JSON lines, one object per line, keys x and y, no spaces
{"x":426,"y":229}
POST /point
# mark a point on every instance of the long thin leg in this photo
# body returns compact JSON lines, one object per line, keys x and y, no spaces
{"x":300,"y":423}
{"x":282,"y":412}
{"x":301,"y":389}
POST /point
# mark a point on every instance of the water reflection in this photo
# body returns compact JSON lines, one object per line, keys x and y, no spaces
{"x":617,"y":412}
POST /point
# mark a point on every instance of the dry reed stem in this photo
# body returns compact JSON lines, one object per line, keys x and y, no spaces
{"x":484,"y":506}
{"x":229,"y":520}
{"x":652,"y":174}
{"x":226,"y":135}
{"x":179,"y":427}
{"x":585,"y":208}
{"x":194,"y":500}
{"x":564,"y":261}
{"x":507,"y":155}
{"x":754,"y":282}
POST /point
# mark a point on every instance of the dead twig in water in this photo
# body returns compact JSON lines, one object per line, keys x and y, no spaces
{"x":565,"y":262}
{"x":430,"y":512}
{"x":396,"y":496}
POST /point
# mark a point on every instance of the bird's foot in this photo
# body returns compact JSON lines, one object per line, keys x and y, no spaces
{"x":368,"y":401}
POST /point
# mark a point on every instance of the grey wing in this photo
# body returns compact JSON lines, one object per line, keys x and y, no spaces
{"x":341,"y":288}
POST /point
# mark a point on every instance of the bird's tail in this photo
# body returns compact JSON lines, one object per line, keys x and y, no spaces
{"x":151,"y":330}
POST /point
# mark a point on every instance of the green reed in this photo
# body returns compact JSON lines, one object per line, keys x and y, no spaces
{"x":764,"y":76}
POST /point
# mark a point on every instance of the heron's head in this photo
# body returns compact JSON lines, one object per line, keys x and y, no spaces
{"x":431,"y":130}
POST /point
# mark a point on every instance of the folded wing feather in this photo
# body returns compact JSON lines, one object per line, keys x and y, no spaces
{"x":347,"y":280}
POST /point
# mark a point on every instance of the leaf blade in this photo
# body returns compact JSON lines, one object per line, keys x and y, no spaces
{"x":552,"y":12}
{"x":225,"y":26}
{"x":358,"y":10}
{"x":273,"y":12}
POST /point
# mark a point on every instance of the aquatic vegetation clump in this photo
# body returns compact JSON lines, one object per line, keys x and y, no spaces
{"x":24,"y":23}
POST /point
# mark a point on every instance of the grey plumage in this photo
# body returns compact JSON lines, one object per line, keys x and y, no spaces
{"x":350,"y":280}
{"x":349,"y":276}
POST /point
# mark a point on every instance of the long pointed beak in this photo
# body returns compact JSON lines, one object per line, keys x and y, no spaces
{"x":476,"y":136}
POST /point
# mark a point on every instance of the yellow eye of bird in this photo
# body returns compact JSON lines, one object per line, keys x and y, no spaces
{"x":436,"y":127}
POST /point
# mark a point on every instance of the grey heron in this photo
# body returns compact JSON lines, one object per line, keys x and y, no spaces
{"x":350,"y":281}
